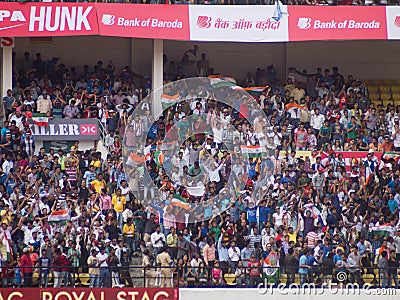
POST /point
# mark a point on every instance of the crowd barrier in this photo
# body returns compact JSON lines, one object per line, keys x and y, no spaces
{"x":249,"y":23}
{"x":178,"y":277}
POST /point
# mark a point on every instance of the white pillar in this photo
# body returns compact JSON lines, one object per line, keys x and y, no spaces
{"x":157,"y":75}
{"x":7,"y":45}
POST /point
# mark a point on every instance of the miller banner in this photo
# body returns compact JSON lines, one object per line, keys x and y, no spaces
{"x":66,"y":130}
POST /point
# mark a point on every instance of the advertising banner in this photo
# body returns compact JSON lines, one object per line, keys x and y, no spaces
{"x":47,"y":19}
{"x":170,"y":22}
{"x":315,"y":23}
{"x":238,"y":23}
{"x":393,"y":22}
{"x":253,"y":23}
{"x":89,"y":294}
{"x":67,"y":130}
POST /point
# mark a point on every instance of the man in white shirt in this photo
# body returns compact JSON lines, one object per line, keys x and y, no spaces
{"x":7,"y":165}
{"x":157,"y":240}
{"x":234,"y":255}
{"x":104,"y":272}
{"x":316,"y":121}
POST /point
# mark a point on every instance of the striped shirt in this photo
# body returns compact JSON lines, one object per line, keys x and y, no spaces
{"x":254,"y":239}
{"x":312,"y":238}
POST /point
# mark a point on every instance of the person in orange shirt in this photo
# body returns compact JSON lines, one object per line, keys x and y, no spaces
{"x":386,"y":145}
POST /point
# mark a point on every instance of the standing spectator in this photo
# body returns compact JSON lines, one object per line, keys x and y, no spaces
{"x":26,"y":267}
{"x":94,"y":269}
{"x":383,"y":269}
{"x":104,"y":270}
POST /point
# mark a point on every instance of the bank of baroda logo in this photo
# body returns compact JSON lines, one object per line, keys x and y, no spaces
{"x":204,"y":22}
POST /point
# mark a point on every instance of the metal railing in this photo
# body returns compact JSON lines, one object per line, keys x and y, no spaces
{"x":181,"y":276}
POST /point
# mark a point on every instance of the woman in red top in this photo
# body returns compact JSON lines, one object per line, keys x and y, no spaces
{"x":26,"y":267}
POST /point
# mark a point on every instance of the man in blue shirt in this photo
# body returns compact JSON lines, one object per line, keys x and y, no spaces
{"x":263,"y":214}
{"x":223,"y":255}
{"x":303,"y":266}
{"x":392,"y":203}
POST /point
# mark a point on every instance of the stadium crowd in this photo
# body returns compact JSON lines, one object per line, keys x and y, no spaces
{"x":204,"y":210}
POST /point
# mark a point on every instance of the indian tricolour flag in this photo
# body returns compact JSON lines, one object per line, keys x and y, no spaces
{"x":168,"y":100}
{"x":41,"y":121}
{"x":254,"y":151}
{"x":178,"y":201}
{"x":59,"y":216}
{"x":222,"y":82}
{"x":383,"y":230}
{"x":293,"y":105}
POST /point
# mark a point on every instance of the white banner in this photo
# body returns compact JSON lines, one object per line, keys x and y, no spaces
{"x":238,"y":23}
{"x":393,"y":22}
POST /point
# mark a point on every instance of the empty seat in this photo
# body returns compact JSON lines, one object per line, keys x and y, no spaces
{"x":395,"y":88}
{"x":85,"y":279}
{"x":374,"y":97}
{"x":386,"y":96}
{"x":384,"y":89}
{"x":230,"y":279}
{"x":396,"y":97}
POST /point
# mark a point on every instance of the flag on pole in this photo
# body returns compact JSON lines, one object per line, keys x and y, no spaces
{"x":41,"y":121}
{"x":178,"y":201}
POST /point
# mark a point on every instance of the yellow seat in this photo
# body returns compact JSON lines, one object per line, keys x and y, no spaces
{"x":85,"y":279}
{"x":35,"y":278}
{"x":396,"y":97}
{"x":384,"y":89}
{"x":380,"y":82}
{"x":374,"y":97}
{"x":386,"y":96}
{"x":390,"y":82}
{"x":396,"y":89}
{"x":368,"y":82}
{"x":230,"y":279}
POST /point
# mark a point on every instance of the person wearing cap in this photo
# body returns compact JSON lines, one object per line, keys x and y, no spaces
{"x":26,"y":267}
{"x":94,"y":270}
{"x":148,"y":273}
{"x":164,"y":261}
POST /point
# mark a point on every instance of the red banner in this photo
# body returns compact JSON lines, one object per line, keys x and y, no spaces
{"x":47,"y":19}
{"x":89,"y":294}
{"x":336,"y":23}
{"x":169,"y":22}
{"x":199,"y":22}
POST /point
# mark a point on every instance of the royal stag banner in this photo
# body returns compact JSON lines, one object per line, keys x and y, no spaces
{"x":89,"y":294}
{"x":66,"y":130}
{"x":47,"y":19}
